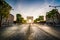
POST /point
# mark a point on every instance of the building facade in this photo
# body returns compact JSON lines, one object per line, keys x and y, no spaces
{"x":30,"y":19}
{"x":8,"y":21}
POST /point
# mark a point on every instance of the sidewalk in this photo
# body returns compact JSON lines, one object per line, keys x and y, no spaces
{"x":54,"y":31}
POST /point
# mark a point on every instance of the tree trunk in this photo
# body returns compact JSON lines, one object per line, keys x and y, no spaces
{"x":57,"y":17}
{"x":0,"y":23}
{"x":53,"y":21}
{"x":0,"y":20}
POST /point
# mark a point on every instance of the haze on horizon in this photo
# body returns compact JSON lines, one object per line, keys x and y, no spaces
{"x":33,"y":8}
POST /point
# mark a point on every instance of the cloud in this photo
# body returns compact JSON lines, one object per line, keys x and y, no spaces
{"x":34,"y":10}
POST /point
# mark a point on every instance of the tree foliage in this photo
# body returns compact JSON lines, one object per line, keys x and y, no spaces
{"x":19,"y":18}
{"x":52,"y":14}
{"x":40,"y":18}
{"x":4,"y":10}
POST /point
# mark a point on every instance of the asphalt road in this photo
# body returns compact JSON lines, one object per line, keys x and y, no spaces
{"x":25,"y":32}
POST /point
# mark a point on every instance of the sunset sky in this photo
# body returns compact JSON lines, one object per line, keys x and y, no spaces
{"x":32,"y":7}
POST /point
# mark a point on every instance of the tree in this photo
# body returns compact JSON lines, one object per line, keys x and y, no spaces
{"x":36,"y":20}
{"x":4,"y":10}
{"x":52,"y":14}
{"x":19,"y":18}
{"x":23,"y":20}
{"x":41,"y":18}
